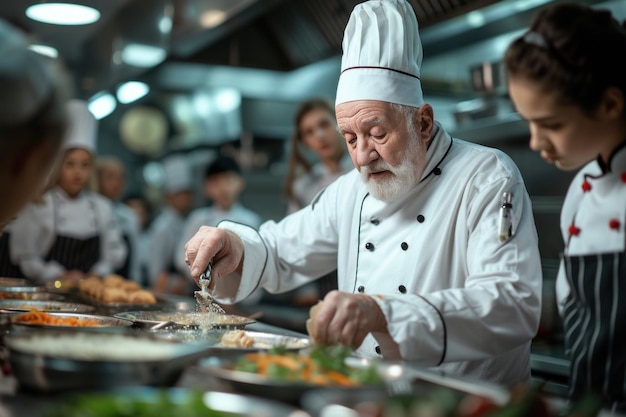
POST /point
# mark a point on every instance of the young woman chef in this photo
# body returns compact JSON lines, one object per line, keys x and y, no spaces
{"x":73,"y":232}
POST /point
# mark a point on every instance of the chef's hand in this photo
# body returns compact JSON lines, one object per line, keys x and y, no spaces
{"x":346,"y":319}
{"x":221,"y":247}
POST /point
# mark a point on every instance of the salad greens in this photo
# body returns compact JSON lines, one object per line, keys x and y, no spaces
{"x":159,"y":403}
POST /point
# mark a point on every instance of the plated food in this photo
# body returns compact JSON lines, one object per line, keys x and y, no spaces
{"x":186,"y":320}
{"x":36,"y":318}
{"x":286,"y":376}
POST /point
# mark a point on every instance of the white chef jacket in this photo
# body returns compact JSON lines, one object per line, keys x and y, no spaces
{"x":306,"y":187}
{"x":454,"y":296}
{"x":36,"y":228}
{"x":164,"y":233}
{"x":590,"y":284}
{"x":592,"y":211}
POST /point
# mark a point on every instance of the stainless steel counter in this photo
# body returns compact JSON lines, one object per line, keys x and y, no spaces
{"x":550,"y":367}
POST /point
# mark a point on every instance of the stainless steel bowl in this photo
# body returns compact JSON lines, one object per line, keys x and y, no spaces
{"x":80,"y":360}
{"x":261,"y":340}
{"x":44,"y":305}
{"x":14,"y":282}
{"x":31,"y":295}
{"x":185,"y":320}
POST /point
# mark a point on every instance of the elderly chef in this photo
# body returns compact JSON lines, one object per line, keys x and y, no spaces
{"x":425,"y":271}
{"x":167,"y":228}
{"x":72,"y":232}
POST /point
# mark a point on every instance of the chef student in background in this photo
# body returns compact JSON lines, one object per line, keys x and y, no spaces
{"x":74,"y":231}
{"x":315,"y":133}
{"x":32,"y":125}
{"x":167,"y":228}
{"x":567,"y":80}
{"x":110,"y":181}
{"x":413,"y":232}
{"x":223,"y":184}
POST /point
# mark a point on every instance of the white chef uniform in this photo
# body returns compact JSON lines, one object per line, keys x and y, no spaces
{"x":306,"y":187}
{"x":166,"y":229}
{"x":454,"y":296}
{"x":592,"y":277}
{"x":64,"y":233}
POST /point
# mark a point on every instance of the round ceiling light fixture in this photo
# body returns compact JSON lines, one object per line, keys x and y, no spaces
{"x":63,"y":13}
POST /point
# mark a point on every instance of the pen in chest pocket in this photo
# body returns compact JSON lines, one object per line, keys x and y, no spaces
{"x":505,"y":222}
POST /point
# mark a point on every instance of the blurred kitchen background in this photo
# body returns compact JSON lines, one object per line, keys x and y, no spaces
{"x":207,"y":75}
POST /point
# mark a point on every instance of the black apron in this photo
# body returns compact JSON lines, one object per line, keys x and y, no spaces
{"x":595,"y":327}
{"x":7,"y":267}
{"x":124,"y":270}
{"x":73,"y":253}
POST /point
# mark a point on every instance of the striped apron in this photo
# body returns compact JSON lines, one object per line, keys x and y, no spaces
{"x":73,"y":253}
{"x":595,"y":326}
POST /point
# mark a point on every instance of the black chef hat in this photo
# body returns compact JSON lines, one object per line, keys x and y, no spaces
{"x":26,"y":77}
{"x":222,"y":164}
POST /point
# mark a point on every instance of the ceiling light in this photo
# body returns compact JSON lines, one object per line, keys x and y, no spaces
{"x":131,"y":91}
{"x":63,"y":13}
{"x":102,"y":104}
{"x":475,"y":18}
{"x":142,"y":55}
{"x":212,"y":18}
{"x":228,"y":99}
{"x":45,"y":50}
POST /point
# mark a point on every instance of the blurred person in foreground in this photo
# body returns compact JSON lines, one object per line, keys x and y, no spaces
{"x":32,"y":126}
{"x":32,"y":120}
{"x":111,"y":183}
{"x":424,"y":272}
{"x":567,"y":83}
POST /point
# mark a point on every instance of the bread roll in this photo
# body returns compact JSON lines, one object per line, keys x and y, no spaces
{"x":141,"y":297}
{"x":114,"y":295}
{"x":113,"y":280}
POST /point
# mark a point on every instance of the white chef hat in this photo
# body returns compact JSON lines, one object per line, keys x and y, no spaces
{"x":382,"y":54}
{"x":83,"y":127}
{"x":177,"y":174}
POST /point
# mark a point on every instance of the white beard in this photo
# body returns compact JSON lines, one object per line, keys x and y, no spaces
{"x":404,"y":178}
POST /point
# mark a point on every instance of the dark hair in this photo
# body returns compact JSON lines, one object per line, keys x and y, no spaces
{"x":222,"y":164}
{"x":298,"y":164}
{"x":571,"y":49}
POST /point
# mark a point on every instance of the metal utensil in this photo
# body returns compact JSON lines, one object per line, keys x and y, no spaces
{"x":203,"y":297}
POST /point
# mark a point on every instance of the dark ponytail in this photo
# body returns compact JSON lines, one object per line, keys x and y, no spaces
{"x":571,"y":50}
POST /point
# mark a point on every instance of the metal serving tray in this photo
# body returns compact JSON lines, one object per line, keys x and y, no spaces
{"x":185,"y":320}
{"x":45,"y":305}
